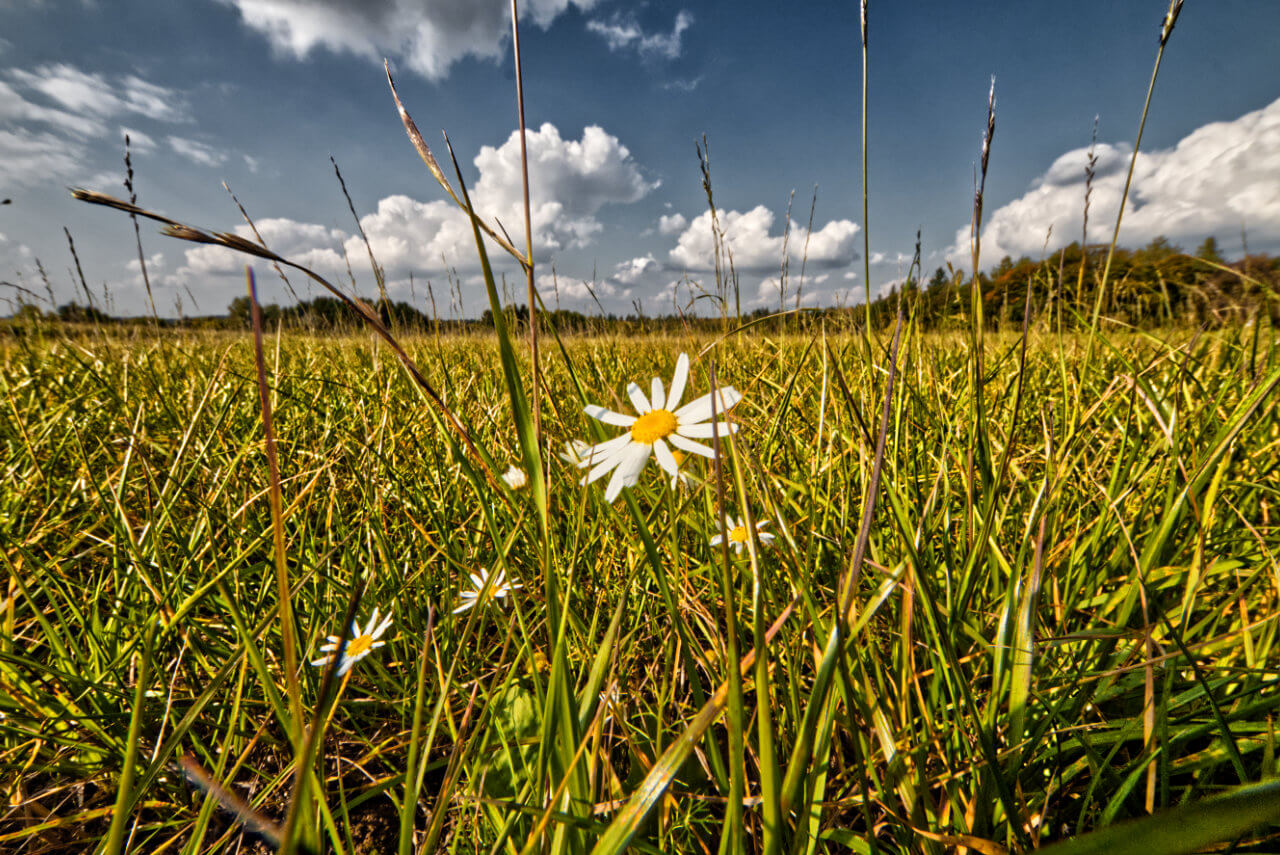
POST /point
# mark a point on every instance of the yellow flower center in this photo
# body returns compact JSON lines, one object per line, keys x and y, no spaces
{"x":653,"y":426}
{"x":360,"y":645}
{"x":738,"y":534}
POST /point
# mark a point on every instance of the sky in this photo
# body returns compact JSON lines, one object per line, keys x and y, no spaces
{"x":260,"y":94}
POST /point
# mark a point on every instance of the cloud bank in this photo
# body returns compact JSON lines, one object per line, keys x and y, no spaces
{"x":1217,"y":180}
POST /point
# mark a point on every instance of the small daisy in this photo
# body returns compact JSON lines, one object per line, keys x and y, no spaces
{"x":515,"y":478}
{"x":657,"y":423}
{"x":361,"y":644}
{"x":738,"y":534}
{"x":499,"y":589}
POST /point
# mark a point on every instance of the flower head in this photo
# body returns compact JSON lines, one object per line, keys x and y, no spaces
{"x":498,"y":589}
{"x":682,"y":479}
{"x":660,"y":420}
{"x":737,"y":533}
{"x":361,"y":643}
{"x":515,"y":478}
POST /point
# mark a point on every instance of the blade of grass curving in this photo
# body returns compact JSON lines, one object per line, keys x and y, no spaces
{"x":528,"y":231}
{"x":1185,"y":829}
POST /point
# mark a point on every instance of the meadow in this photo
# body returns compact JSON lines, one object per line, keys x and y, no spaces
{"x":1052,"y":620}
{"x":841,"y":583}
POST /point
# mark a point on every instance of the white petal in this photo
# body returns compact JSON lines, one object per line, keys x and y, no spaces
{"x":321,"y":661}
{"x":700,"y":410}
{"x":609,"y":417}
{"x":678,"y":381}
{"x":638,"y":400}
{"x":656,"y":396}
{"x":612,"y":460}
{"x":706,"y":430}
{"x":666,"y":459}
{"x":628,"y":470}
{"x":596,"y":454}
{"x":690,"y":446}
{"x":715,"y":540}
{"x":465,"y":605}
{"x":382,"y":627}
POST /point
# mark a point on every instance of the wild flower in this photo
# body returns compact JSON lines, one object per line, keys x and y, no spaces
{"x":736,"y":532}
{"x":515,"y":478}
{"x":660,"y":420}
{"x":361,"y":644}
{"x":498,"y":590}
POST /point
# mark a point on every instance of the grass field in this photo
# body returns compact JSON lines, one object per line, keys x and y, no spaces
{"x":1061,"y":613}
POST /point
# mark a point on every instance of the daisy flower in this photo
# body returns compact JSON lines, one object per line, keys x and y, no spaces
{"x":498,"y":589}
{"x":515,"y":478}
{"x":660,"y":420}
{"x":737,"y":534}
{"x":361,"y":644}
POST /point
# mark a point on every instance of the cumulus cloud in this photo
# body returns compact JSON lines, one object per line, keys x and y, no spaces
{"x":309,"y":244}
{"x":629,"y":272}
{"x":755,"y":249}
{"x":1217,"y":179}
{"x":623,"y":32}
{"x":428,"y":37}
{"x":197,"y":152}
{"x":570,"y":181}
{"x":670,"y":224}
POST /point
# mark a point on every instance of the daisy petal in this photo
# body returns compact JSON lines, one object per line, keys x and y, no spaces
{"x":598,"y":453}
{"x":656,"y":396}
{"x":715,"y":540}
{"x":705,"y":430}
{"x":638,"y":400}
{"x":690,"y":446}
{"x":628,"y":470}
{"x":700,"y":410}
{"x":666,"y":459}
{"x":609,"y":417}
{"x":614,"y":458}
{"x":678,"y":381}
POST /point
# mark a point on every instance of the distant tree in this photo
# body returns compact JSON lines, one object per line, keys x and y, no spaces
{"x":1209,"y":250}
{"x":75,"y":313}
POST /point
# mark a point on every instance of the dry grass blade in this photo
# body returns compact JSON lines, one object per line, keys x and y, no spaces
{"x":424,"y":151}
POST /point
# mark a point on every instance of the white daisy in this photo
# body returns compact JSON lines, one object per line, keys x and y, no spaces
{"x":498,"y":589}
{"x":515,"y":478}
{"x":660,"y":420}
{"x":738,"y":534}
{"x":361,"y":644}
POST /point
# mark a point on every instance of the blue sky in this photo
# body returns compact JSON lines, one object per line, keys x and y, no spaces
{"x":260,"y":93}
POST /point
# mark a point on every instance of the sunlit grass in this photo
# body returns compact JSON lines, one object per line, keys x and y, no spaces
{"x":1111,"y":643}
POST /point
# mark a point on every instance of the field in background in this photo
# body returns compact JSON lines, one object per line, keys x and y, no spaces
{"x":1067,"y":615}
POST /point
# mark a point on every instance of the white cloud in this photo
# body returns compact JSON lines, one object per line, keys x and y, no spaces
{"x":308,"y":244}
{"x":14,"y":109}
{"x":430,"y":37}
{"x":154,"y":262}
{"x":252,"y":162}
{"x":754,"y":249}
{"x":32,"y":157}
{"x":670,"y":224}
{"x":93,"y":95}
{"x":197,"y":152}
{"x":1217,"y":179}
{"x":622,"y":31}
{"x":570,"y":180}
{"x":629,"y":272}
